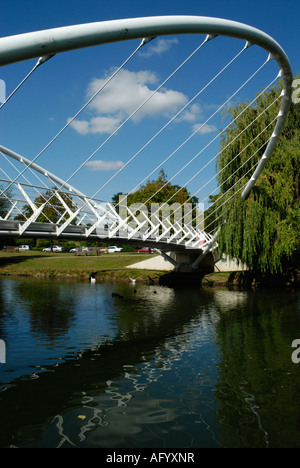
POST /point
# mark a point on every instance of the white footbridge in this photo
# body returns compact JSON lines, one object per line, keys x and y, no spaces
{"x":36,"y":203}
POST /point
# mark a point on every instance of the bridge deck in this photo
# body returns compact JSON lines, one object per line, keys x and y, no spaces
{"x":46,"y":230}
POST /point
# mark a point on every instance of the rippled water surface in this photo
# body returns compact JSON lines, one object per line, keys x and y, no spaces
{"x":155,"y":367}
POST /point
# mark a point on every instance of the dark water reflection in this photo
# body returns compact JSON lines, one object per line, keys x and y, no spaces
{"x":156,"y":368}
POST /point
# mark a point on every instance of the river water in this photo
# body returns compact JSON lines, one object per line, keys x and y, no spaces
{"x":156,"y":367}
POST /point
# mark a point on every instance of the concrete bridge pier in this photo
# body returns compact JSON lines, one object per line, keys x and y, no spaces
{"x":187,"y":269}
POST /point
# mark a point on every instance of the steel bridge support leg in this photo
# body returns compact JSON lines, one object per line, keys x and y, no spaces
{"x":168,"y":258}
{"x":188,"y":262}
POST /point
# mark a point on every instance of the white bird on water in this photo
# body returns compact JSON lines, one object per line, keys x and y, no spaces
{"x":93,"y":280}
{"x":133,"y":280}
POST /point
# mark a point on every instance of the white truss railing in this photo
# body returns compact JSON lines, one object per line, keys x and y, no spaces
{"x":69,"y":213}
{"x":80,"y":217}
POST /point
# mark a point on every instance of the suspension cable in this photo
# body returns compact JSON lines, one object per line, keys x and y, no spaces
{"x":163,"y":128}
{"x":225,"y":147}
{"x":208,"y":38}
{"x":249,"y":159}
{"x":199,"y":128}
{"x":37,"y":189}
{"x":218,"y":173}
{"x":80,"y":110}
{"x":234,"y":194}
{"x":131,"y":115}
{"x":40,"y":61}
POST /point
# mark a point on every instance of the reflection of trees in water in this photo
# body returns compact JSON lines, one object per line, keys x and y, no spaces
{"x":3,"y":311}
{"x":259,"y":386}
{"x":51,"y":306}
{"x":124,"y":409}
{"x":144,"y":331}
{"x":155,"y":311}
{"x":142,"y":311}
{"x":142,"y":415}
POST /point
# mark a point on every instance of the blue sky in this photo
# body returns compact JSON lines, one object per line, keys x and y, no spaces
{"x":56,"y":91}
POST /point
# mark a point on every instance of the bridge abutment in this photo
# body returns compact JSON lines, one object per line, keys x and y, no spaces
{"x":185,"y":273}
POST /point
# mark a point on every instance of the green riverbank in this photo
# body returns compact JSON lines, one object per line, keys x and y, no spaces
{"x":116,"y":267}
{"x":106,"y":267}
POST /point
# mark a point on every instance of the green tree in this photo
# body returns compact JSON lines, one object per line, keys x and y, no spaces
{"x":263,"y":231}
{"x":54,"y":209}
{"x":159,"y":191}
{"x":5,"y":204}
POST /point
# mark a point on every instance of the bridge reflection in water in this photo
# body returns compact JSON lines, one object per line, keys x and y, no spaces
{"x":158,"y":368}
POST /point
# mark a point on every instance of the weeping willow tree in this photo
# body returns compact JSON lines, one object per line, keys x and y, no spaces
{"x":263,"y":231}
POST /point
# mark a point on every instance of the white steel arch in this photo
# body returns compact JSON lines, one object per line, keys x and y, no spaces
{"x":45,"y":44}
{"x":52,"y":41}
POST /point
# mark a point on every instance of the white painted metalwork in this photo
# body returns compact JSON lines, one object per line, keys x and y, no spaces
{"x":89,"y":218}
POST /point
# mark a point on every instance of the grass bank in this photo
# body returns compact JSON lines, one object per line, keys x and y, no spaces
{"x":65,"y":265}
{"x":107,"y":267}
{"x":112,"y":267}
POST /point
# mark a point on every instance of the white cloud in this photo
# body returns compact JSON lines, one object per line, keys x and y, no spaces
{"x":122,"y":96}
{"x":99,"y":165}
{"x":128,"y":90}
{"x":81,"y":126}
{"x":101,"y":124}
{"x":158,"y":47}
{"x":190,"y":114}
{"x":204,"y":128}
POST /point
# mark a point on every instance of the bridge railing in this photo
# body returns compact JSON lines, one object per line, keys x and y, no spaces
{"x":36,"y":203}
{"x":58,"y":214}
